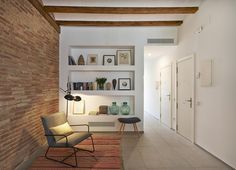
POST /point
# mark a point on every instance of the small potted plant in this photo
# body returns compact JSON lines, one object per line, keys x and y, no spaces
{"x":101,"y":81}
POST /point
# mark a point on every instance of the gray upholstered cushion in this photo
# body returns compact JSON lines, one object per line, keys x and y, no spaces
{"x":52,"y":120}
{"x":129,"y":120}
{"x":73,"y":139}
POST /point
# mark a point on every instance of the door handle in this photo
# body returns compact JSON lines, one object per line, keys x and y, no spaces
{"x":168,"y":96}
{"x":190,"y":101}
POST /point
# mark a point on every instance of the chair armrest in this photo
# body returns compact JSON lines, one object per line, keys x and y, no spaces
{"x":82,"y":125}
{"x":59,"y":135}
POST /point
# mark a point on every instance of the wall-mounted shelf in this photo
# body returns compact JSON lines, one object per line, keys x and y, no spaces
{"x":100,"y":68}
{"x":105,"y":92}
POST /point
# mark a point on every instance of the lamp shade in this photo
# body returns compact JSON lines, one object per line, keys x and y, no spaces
{"x":69,"y":97}
{"x":77,"y":98}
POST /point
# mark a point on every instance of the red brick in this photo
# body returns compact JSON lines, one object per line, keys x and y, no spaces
{"x":29,"y":79}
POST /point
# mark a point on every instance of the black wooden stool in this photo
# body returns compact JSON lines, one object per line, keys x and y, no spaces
{"x":130,"y":120}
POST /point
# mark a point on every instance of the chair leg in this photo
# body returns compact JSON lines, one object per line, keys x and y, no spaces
{"x":92,"y":143}
{"x":47,"y":152}
{"x":88,"y":149}
{"x":76,"y":163}
{"x":135,"y":125}
{"x":62,"y":161}
{"x":123,"y":128}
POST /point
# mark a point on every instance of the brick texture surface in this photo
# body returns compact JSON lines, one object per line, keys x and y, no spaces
{"x":28,"y":78}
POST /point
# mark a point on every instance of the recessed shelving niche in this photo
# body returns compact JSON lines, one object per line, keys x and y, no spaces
{"x":89,"y":73}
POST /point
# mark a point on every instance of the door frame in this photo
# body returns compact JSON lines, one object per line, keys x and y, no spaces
{"x":192,"y":56}
{"x":169,"y":65}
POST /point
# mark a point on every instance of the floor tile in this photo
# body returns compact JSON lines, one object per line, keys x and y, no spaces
{"x":160,"y":148}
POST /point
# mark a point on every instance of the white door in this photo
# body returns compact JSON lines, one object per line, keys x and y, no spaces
{"x":185,"y":97}
{"x":165,"y":93}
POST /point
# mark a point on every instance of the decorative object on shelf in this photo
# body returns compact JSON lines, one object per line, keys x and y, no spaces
{"x":114,"y":109}
{"x":114,"y":82}
{"x":76,"y":86}
{"x":78,"y":107}
{"x":124,"y":109}
{"x":71,"y":60}
{"x":124,"y":57}
{"x":93,"y":113}
{"x":90,"y":85}
{"x":81,"y":60}
{"x":124,"y":84}
{"x":80,"y":85}
{"x":101,"y":82}
{"x":109,"y":60}
{"x":92,"y":59}
{"x":103,"y":109}
{"x":95,"y":85}
{"x":108,"y":86}
{"x":84,"y":86}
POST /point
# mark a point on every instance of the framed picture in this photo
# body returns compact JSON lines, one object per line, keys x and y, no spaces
{"x":92,"y":59}
{"x":124,"y":57}
{"x":78,"y":108}
{"x":124,"y":84}
{"x":109,"y":60}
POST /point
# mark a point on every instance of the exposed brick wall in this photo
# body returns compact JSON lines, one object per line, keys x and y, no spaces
{"x":28,"y":78}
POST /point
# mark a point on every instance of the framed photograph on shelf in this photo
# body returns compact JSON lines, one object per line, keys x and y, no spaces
{"x":123,"y":57}
{"x":78,"y":107}
{"x":92,"y":59}
{"x":124,"y":84}
{"x":109,"y":60}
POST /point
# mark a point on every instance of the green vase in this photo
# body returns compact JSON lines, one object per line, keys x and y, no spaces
{"x":124,"y":109}
{"x":114,"y":109}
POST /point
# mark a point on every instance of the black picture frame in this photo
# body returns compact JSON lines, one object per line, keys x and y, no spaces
{"x":109,"y":60}
{"x":124,"y":83}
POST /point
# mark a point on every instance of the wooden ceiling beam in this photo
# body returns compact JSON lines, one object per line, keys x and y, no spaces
{"x":40,"y":8}
{"x":121,"y":10}
{"x":119,"y":23}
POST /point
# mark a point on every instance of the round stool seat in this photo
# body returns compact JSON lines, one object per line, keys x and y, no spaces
{"x":129,"y":120}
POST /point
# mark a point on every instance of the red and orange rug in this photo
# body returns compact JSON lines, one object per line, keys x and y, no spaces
{"x":107,"y":155}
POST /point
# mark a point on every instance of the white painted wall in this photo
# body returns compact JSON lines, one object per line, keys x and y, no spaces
{"x":216,"y":112}
{"x":161,"y":56}
{"x":151,"y":89}
{"x":117,"y":36}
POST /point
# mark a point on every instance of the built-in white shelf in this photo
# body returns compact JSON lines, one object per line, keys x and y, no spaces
{"x":96,"y":68}
{"x":103,"y":116}
{"x":105,"y":92}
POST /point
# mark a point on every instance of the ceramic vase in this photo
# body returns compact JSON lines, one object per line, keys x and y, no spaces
{"x":114,"y":109}
{"x":81,"y":60}
{"x":124,"y":109}
{"x":108,"y":86}
{"x":114,"y":82}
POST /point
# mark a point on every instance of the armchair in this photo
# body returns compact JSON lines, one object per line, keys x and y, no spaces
{"x":59,"y":134}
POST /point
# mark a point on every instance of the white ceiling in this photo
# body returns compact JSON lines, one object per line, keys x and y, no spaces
{"x":121,"y":3}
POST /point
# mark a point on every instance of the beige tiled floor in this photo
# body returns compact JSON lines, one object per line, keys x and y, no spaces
{"x":162,"y":149}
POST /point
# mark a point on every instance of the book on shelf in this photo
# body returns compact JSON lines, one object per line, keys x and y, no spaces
{"x":71,"y":60}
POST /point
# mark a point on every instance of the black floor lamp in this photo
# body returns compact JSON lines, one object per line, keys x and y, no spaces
{"x":70,"y":97}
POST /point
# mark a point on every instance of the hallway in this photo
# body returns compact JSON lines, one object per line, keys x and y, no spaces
{"x":162,"y":149}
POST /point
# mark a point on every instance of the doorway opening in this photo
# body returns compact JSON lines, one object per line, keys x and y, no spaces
{"x":159,"y":86}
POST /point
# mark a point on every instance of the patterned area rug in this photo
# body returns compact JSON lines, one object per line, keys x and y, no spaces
{"x":107,"y":155}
